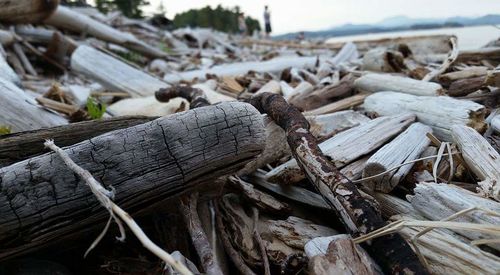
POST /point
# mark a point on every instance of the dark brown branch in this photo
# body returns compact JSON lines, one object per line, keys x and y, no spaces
{"x":195,"y":96}
{"x":188,"y":208}
{"x":260,"y":243}
{"x":357,"y":214}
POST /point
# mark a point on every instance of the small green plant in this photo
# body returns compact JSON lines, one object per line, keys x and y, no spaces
{"x":95,"y":109}
{"x":4,"y":130}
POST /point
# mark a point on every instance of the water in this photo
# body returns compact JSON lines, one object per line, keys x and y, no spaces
{"x":468,"y":37}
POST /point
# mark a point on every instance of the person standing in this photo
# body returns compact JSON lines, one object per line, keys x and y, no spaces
{"x":267,"y":21}
{"x":242,"y":25}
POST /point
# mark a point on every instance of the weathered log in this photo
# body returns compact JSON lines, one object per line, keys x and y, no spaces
{"x":440,"y":113}
{"x":301,"y":91}
{"x":42,"y":200}
{"x":21,"y":113}
{"x":342,"y":256}
{"x":384,"y":82}
{"x":274,"y":65}
{"x":480,"y":157}
{"x":322,"y":126}
{"x":272,"y":86}
{"x":20,"y":146}
{"x":340,"y":105}
{"x":438,"y":201}
{"x":490,"y":54}
{"x":464,"y":87}
{"x":355,"y":212}
{"x":324,"y":95}
{"x":66,"y":18}
{"x":405,"y":147}
{"x":347,"y":146}
{"x":445,"y":251}
{"x":383,"y":60}
{"x":26,"y":11}
{"x":113,"y":73}
{"x":468,"y":72}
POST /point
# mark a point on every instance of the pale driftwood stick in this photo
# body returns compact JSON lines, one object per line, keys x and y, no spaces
{"x":21,"y":113}
{"x":383,"y":60}
{"x":480,"y":157}
{"x":405,"y":147}
{"x":103,"y":196}
{"x":188,"y":208}
{"x":342,"y":256}
{"x":258,"y":239}
{"x":468,"y":72}
{"x":440,"y":113}
{"x":447,"y":63}
{"x":272,"y":86}
{"x":445,"y":251}
{"x":20,"y":146}
{"x":26,"y":11}
{"x":490,"y":53}
{"x":274,"y":65}
{"x":34,"y":35}
{"x":114,"y":74}
{"x":6,"y":71}
{"x":144,"y":163}
{"x":373,"y":83}
{"x":347,"y":146}
{"x":24,"y":60}
{"x":66,"y":18}
{"x":355,"y":212}
{"x":340,"y":105}
{"x":6,"y":38}
{"x":262,"y":200}
{"x":16,"y":64}
{"x":301,"y":91}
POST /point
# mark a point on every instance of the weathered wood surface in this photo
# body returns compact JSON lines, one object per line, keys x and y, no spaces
{"x":481,"y":158}
{"x":445,"y":251}
{"x":274,"y":65}
{"x":347,"y":146}
{"x":495,"y":123}
{"x":21,"y":113}
{"x":42,"y":201}
{"x":341,"y":256}
{"x":26,"y":11}
{"x":6,"y":38}
{"x":340,"y":105}
{"x":20,"y":146}
{"x":466,"y":86}
{"x":468,"y":72}
{"x":489,"y":53}
{"x":438,"y":201}
{"x":113,"y":73}
{"x":65,"y":18}
{"x":405,"y":147}
{"x":440,"y":113}
{"x":384,"y":82}
{"x":383,"y":60}
{"x":6,"y":71}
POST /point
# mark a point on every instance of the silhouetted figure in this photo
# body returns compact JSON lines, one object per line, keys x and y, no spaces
{"x":267,"y":21}
{"x":242,"y":25}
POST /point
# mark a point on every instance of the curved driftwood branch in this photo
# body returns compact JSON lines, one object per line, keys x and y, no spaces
{"x":195,"y":96}
{"x":357,"y":214}
{"x":42,"y":202}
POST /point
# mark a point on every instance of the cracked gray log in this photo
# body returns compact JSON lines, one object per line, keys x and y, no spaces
{"x":20,"y":146}
{"x":21,"y":112}
{"x":440,"y":113}
{"x":480,"y":157}
{"x":65,"y":18}
{"x":113,"y":73}
{"x":373,"y":83}
{"x":42,"y":201}
{"x":26,"y":11}
{"x":405,"y":147}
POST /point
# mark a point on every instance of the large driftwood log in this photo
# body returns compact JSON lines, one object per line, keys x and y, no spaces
{"x":490,"y":53}
{"x":480,"y":157}
{"x":347,"y":146}
{"x":440,"y":113}
{"x":405,"y":147}
{"x":21,"y":113}
{"x":66,"y":18}
{"x":468,"y":72}
{"x":464,"y":87}
{"x":26,"y":11}
{"x":20,"y":146}
{"x":384,"y":82}
{"x":357,"y":214}
{"x":439,"y":201}
{"x":445,"y":251}
{"x":274,"y":65}
{"x":113,"y":73}
{"x":42,"y":201}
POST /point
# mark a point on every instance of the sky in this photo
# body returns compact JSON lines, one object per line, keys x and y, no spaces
{"x":313,"y":15}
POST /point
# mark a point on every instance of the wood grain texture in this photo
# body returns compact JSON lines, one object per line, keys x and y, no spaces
{"x":385,"y":82}
{"x":26,"y":11}
{"x":42,"y":201}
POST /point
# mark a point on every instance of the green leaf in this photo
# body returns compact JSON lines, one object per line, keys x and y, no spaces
{"x":4,"y":130}
{"x":95,"y":108}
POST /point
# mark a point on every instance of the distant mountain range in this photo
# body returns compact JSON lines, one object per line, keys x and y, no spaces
{"x":399,"y":23}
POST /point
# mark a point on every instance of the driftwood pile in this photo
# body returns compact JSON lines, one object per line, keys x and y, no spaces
{"x":244,"y":155}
